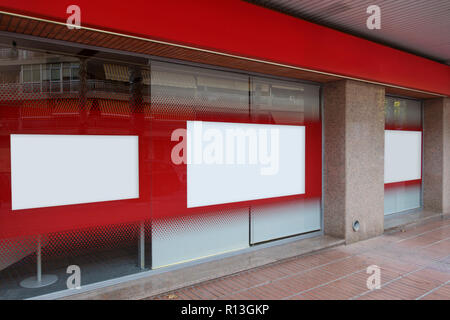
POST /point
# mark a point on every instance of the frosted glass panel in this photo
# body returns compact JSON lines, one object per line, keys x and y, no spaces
{"x":402,"y":198}
{"x":194,"y":237}
{"x":285,"y":219}
{"x":54,"y":170}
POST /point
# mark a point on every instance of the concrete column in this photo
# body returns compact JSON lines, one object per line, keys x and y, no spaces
{"x":436,"y":149}
{"x":354,"y":159}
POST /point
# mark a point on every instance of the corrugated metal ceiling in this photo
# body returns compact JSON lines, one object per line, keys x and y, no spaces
{"x":421,"y":27}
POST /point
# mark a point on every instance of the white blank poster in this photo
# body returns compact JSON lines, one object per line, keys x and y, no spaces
{"x":402,"y":155}
{"x":55,"y":170}
{"x":210,"y":183}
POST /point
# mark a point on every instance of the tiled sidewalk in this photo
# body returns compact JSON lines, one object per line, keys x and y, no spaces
{"x":415,"y":264}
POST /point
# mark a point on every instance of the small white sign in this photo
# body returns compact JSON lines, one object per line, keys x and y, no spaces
{"x":402,"y":155}
{"x":55,"y":170}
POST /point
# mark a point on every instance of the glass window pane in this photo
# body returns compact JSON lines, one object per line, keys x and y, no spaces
{"x":55,"y":74}
{"x":45,"y":72}
{"x":205,"y":94}
{"x":284,"y":102}
{"x":45,"y":86}
{"x":26,"y":75}
{"x":181,"y":93}
{"x":59,"y":112}
{"x":75,"y":71}
{"x":36,"y":75}
{"x":294,"y":104}
{"x":66,"y":73}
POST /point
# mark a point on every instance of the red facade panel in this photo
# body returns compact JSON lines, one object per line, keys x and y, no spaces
{"x":243,"y":29}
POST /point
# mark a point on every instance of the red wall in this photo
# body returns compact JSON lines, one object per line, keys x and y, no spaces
{"x":162,"y":193}
{"x":244,"y":29}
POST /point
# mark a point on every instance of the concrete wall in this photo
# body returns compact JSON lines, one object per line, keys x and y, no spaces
{"x":354,"y":159}
{"x":436,"y":168}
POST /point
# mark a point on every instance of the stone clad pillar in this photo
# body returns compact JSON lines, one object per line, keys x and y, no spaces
{"x":354,"y":159}
{"x":436,"y":154}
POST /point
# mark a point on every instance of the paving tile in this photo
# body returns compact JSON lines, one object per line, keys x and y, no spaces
{"x":190,"y":294}
{"x":424,"y":285}
{"x":213,"y":290}
{"x":349,"y":265}
{"x":441,"y":249}
{"x":293,"y":267}
{"x":299,"y":297}
{"x":226,"y":285}
{"x":418,"y":242}
{"x":398,"y":290}
{"x":248,"y":279}
{"x":327,"y":292}
{"x":442,"y":293}
{"x":307,"y":280}
{"x":201,"y":292}
{"x":414,"y":264}
{"x":429,"y":274}
{"x":427,"y":228}
{"x":268,"y":292}
{"x":281,"y":288}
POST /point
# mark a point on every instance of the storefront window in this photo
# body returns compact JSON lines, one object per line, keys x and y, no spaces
{"x":90,"y":175}
{"x":403,"y":155}
{"x":72,"y":146}
{"x":285,"y":103}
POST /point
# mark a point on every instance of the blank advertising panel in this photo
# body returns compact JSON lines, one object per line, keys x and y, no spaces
{"x":402,"y":155}
{"x":55,"y":170}
{"x":232,"y":162}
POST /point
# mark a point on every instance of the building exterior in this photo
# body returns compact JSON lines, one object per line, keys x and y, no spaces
{"x":109,"y":136}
